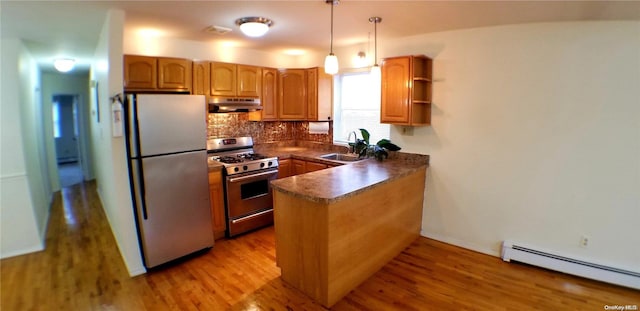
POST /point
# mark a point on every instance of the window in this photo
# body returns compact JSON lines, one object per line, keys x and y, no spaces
{"x":57,"y":133}
{"x":357,"y":105}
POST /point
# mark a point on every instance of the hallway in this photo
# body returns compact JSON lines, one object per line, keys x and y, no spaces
{"x":81,"y":269}
{"x":70,"y":174}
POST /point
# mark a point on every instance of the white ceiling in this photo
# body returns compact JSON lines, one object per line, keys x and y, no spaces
{"x":71,"y":28}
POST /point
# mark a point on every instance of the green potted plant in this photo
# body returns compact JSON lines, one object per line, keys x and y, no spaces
{"x":379,"y":150}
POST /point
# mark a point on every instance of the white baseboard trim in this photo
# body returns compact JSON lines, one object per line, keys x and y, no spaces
{"x":460,"y":243}
{"x":45,"y":226}
{"x":136,"y":272}
{"x":133,"y":271}
{"x":24,"y":251}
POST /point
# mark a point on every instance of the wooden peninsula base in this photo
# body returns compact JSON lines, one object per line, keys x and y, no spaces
{"x":327,"y":247}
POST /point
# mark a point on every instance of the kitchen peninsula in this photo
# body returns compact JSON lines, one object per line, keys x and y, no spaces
{"x":336,"y":227}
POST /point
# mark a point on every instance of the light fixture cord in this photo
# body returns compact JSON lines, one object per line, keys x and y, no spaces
{"x":375,"y":42}
{"x":331,"y":49}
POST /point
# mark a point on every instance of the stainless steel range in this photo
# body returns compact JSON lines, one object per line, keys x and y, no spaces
{"x":248,"y":198}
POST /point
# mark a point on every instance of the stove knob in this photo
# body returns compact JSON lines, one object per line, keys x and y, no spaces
{"x":262,"y":164}
{"x":270,"y":163}
{"x":235,"y":169}
{"x":245,"y":168}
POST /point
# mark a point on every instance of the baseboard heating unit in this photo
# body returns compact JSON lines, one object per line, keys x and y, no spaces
{"x":520,"y":253}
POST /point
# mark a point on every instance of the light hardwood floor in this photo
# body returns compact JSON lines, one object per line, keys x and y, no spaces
{"x":81,"y":269}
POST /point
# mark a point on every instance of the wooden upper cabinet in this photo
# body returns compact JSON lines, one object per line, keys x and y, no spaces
{"x":235,"y":80}
{"x":201,"y":78}
{"x":312,"y":94}
{"x":249,"y":81}
{"x":268,"y":99}
{"x":395,"y":90}
{"x":406,"y":90}
{"x":292,"y":97}
{"x":269,"y":94}
{"x":223,"y":79}
{"x":157,"y":73}
{"x":319,"y":95}
{"x":174,"y":74}
{"x":140,"y":72}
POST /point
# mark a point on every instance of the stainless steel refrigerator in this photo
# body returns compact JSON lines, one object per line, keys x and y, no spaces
{"x":167,"y":148}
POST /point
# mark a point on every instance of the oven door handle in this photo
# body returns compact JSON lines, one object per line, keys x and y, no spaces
{"x":237,"y":179}
{"x":241,"y":219}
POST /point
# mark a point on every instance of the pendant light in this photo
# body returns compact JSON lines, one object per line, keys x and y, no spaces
{"x":331,"y":61}
{"x":375,"y":69}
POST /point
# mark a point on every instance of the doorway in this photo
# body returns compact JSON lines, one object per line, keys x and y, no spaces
{"x":66,"y":139}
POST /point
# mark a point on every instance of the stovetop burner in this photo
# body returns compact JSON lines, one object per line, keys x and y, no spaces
{"x":253,"y":156}
{"x":237,"y":156}
{"x":228,"y":159}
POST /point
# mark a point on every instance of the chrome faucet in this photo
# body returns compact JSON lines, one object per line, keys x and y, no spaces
{"x":355,"y":140}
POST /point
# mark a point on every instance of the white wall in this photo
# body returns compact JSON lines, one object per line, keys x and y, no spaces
{"x":110,"y":154}
{"x":535,"y":132}
{"x":159,"y":46}
{"x":72,"y":84}
{"x":535,"y":137}
{"x":24,"y":192}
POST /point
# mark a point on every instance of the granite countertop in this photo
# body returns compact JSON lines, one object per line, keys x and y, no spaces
{"x":302,"y":154}
{"x":339,"y":182}
{"x":336,"y":183}
{"x":309,"y":151}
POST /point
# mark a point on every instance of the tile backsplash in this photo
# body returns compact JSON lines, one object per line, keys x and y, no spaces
{"x":237,"y":124}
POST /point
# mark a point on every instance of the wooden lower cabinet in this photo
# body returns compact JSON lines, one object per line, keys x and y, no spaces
{"x":298,"y":167}
{"x":328,"y":248}
{"x":284,"y":168}
{"x":314,"y":166}
{"x":216,"y":196}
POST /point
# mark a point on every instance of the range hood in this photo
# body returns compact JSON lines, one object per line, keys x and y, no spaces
{"x":234,"y":104}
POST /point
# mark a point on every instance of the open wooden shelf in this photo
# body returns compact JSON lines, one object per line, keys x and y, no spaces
{"x":402,"y":76}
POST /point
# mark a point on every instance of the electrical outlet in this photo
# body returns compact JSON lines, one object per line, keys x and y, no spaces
{"x":584,"y":241}
{"x":407,"y":131}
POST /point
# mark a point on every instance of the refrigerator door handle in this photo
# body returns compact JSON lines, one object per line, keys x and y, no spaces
{"x":139,"y":180}
{"x":132,"y":116}
{"x":134,"y":150}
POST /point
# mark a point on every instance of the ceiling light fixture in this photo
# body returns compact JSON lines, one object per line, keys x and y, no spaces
{"x":64,"y":64}
{"x":375,"y":69}
{"x":331,"y":61}
{"x":254,"y":26}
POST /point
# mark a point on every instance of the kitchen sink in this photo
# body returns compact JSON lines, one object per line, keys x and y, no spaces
{"x":341,"y":157}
